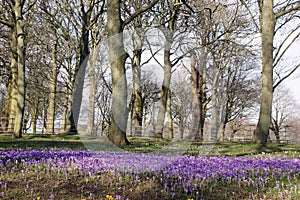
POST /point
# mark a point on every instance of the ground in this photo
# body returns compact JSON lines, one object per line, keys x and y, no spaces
{"x":60,"y":166}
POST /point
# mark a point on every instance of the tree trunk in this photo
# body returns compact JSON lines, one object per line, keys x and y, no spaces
{"x":34,"y":117}
{"x":197,"y":82}
{"x":68,"y":125}
{"x":137,"y":106}
{"x":20,"y":69}
{"x":80,"y":76}
{"x":52,"y":92}
{"x":181,"y":122}
{"x":5,"y":121}
{"x":214,"y":109}
{"x":267,"y":24}
{"x":13,"y":87}
{"x":169,"y":116}
{"x":117,"y":57}
{"x":92,"y":81}
{"x":165,"y":87}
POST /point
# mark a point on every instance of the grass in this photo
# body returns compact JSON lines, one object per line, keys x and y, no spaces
{"x":38,"y":182}
{"x":146,"y":145}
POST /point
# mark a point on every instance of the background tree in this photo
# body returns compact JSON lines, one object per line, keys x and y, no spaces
{"x":283,"y":109}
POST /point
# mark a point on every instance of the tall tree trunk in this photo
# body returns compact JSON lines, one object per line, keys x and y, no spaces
{"x":80,"y":70}
{"x":215,"y":109}
{"x":117,"y":57}
{"x":267,"y":24}
{"x":91,"y":117}
{"x":52,"y":92}
{"x":8,"y":101}
{"x":137,"y":106}
{"x":14,"y":75}
{"x":34,"y":117}
{"x":79,"y":81}
{"x":165,"y":86}
{"x":20,"y":68}
{"x":64,"y":114}
{"x":169,"y":116}
{"x":181,"y":122}
{"x":197,"y":82}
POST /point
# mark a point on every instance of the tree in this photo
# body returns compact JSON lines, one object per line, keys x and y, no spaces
{"x":171,"y":20}
{"x":117,"y":58}
{"x":283,"y":110}
{"x":16,"y":24}
{"x":73,"y":23}
{"x":269,"y":16}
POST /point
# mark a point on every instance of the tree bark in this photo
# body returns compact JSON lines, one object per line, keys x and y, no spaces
{"x":267,"y":24}
{"x":215,"y":108}
{"x":117,"y":57}
{"x":137,"y":107}
{"x":52,"y":92}
{"x":20,"y":98}
{"x":34,"y":117}
{"x":81,"y":67}
{"x":92,"y":94}
{"x":169,"y":116}
{"x":165,"y":86}
{"x":13,"y":87}
{"x":197,"y":83}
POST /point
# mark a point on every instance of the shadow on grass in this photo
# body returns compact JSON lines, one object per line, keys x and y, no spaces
{"x":40,"y":144}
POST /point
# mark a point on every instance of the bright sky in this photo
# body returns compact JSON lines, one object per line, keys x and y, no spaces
{"x":293,"y":83}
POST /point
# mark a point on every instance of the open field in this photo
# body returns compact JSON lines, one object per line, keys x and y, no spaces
{"x":60,"y":167}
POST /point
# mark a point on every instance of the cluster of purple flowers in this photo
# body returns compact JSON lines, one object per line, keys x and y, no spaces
{"x":185,"y":172}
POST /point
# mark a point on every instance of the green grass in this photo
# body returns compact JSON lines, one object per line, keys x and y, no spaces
{"x":147,"y":145}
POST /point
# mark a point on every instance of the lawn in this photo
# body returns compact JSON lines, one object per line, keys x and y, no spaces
{"x":61,"y":167}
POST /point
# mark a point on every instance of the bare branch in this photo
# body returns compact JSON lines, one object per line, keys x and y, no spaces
{"x":278,"y":56}
{"x":6,"y":23}
{"x":140,"y":11}
{"x":287,"y":11}
{"x":251,"y":14}
{"x":285,"y":77}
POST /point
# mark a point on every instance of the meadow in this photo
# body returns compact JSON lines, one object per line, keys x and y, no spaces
{"x":61,"y":167}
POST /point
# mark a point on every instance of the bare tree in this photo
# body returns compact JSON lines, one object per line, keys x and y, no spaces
{"x":283,"y":110}
{"x":117,"y":59}
{"x":272,"y":19}
{"x":16,"y":22}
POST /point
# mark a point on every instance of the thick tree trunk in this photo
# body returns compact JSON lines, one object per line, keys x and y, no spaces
{"x":197,"y":82}
{"x":20,"y":69}
{"x":117,"y":58}
{"x":80,"y":75}
{"x":165,"y":87}
{"x":267,"y":24}
{"x":52,"y":92}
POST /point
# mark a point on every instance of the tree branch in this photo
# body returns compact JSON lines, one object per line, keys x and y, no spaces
{"x":6,"y":23}
{"x":285,"y":77}
{"x":140,"y":11}
{"x":278,"y":56}
{"x":287,"y":11}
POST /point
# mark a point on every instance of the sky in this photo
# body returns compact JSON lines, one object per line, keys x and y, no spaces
{"x":293,"y":84}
